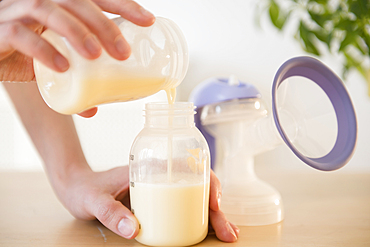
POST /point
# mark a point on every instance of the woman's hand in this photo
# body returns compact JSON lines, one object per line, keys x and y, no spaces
{"x":104,"y":195}
{"x":81,"y":22}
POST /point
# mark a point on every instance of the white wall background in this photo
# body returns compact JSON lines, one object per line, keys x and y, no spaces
{"x":223,"y":39}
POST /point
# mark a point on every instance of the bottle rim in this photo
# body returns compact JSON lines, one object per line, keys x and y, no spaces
{"x":165,"y":109}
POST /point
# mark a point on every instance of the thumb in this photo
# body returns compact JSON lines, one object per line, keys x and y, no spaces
{"x":116,"y":217}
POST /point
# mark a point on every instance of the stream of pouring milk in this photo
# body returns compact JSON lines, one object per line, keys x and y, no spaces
{"x":171,"y":95}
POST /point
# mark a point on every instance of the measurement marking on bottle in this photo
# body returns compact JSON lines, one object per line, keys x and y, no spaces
{"x":132,"y":157}
{"x":132,"y":184}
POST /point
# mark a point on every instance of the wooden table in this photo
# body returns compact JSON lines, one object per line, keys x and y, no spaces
{"x":321,"y":209}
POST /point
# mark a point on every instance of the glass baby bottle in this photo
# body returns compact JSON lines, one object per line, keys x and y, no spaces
{"x":170,"y":176}
{"x":158,"y":61}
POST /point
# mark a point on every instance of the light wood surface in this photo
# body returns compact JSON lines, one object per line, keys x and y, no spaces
{"x":321,"y":209}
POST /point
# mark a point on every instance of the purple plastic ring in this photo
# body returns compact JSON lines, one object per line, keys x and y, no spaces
{"x":330,"y":83}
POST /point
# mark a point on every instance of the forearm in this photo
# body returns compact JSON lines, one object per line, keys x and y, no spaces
{"x":54,"y":135}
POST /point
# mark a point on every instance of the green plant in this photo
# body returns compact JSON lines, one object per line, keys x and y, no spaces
{"x":342,"y":27}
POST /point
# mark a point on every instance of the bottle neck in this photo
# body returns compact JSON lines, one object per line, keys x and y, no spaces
{"x":169,"y":116}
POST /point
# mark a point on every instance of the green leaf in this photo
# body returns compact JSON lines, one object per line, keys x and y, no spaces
{"x":311,"y":48}
{"x":274,"y":12}
{"x":359,"y":44}
{"x":320,"y":19}
{"x":346,"y":25}
{"x":278,"y":18}
{"x":361,"y":8}
{"x":348,"y":39}
{"x":366,"y":37}
{"x":352,"y":63}
{"x":323,"y":36}
{"x":281,"y":21}
{"x":322,"y":2}
{"x":305,"y":35}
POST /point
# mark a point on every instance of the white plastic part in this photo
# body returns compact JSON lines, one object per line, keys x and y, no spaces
{"x":233,"y":81}
{"x":244,"y":129}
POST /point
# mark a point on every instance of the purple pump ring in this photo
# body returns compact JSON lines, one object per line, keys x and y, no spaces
{"x":316,"y":71}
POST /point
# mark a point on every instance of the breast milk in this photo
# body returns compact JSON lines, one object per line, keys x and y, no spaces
{"x":170,"y":214}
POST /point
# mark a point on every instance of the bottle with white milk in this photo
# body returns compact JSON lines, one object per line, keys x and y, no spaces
{"x":158,"y":61}
{"x":169,"y":177}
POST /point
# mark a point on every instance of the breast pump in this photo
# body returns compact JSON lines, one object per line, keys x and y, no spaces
{"x":320,"y":129}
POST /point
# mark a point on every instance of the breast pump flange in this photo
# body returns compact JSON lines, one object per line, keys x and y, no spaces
{"x":233,"y":118}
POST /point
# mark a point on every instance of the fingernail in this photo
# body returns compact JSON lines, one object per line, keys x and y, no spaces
{"x":236,"y":229}
{"x":61,"y":62}
{"x":92,"y":45}
{"x":219,"y":200}
{"x":126,"y":227}
{"x":231,"y":230}
{"x":146,"y":12}
{"x":122,"y":47}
